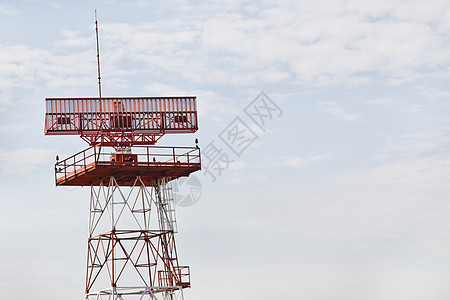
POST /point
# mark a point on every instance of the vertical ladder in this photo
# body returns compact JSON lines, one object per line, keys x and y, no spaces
{"x":167,"y":204}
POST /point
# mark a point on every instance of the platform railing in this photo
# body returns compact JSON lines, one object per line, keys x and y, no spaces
{"x":140,"y":156}
{"x":180,"y":276}
{"x":83,"y":115}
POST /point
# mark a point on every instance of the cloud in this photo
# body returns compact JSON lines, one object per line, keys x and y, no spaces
{"x":24,"y":160}
{"x":290,"y":43}
{"x":432,"y":93}
{"x":30,"y":68}
{"x":5,"y":97}
{"x":391,"y":202}
{"x":413,"y":173}
{"x":11,"y":128}
{"x":73,"y":39}
{"x":336,"y":110}
{"x":412,"y":145}
{"x":379,"y":101}
{"x":208,"y":101}
{"x":9,"y":10}
{"x":303,"y":44}
{"x":241,"y":178}
{"x":297,"y":161}
{"x":333,"y":46}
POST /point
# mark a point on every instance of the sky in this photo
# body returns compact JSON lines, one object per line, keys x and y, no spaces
{"x":342,"y":191}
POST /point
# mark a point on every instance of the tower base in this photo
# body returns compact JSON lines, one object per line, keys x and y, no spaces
{"x":141,"y":293}
{"x":139,"y":262}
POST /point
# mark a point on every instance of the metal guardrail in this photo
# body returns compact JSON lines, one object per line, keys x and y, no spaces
{"x":143,"y":156}
{"x":145,"y":114}
{"x":180,"y":276}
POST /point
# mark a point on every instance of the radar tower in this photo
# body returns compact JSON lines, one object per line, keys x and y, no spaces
{"x":131,"y":244}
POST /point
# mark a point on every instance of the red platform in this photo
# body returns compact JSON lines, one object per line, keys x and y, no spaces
{"x":95,"y":165}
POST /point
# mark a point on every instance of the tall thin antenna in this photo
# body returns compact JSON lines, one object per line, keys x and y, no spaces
{"x":98,"y":59}
{"x":99,"y":79}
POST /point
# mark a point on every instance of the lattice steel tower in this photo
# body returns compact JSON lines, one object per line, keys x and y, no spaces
{"x":131,"y":245}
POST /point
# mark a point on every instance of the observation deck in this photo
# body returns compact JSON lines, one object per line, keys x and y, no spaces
{"x":96,"y":164}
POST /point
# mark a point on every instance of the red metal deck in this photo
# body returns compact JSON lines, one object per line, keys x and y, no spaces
{"x":94,"y":166}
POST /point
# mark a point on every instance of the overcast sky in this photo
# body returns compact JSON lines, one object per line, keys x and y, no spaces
{"x":342,"y":194}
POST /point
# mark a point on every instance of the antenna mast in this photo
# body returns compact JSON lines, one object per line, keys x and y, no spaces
{"x":98,"y":58}
{"x":99,"y":79}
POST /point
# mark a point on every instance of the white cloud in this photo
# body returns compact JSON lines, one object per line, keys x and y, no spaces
{"x":237,"y":165}
{"x":297,"y":161}
{"x":11,"y":128}
{"x":48,"y":3}
{"x":343,"y":44}
{"x":379,"y":101}
{"x":412,"y":145}
{"x":323,"y":280}
{"x":165,"y":89}
{"x":241,"y":178}
{"x":330,"y":46}
{"x":339,"y":45}
{"x":208,"y":101}
{"x":28,"y":68}
{"x":5,"y":97}
{"x":430,"y":92}
{"x":391,"y":202}
{"x":9,"y":10}
{"x":24,"y":160}
{"x":418,"y":174}
{"x":336,"y":110}
{"x":73,"y":39}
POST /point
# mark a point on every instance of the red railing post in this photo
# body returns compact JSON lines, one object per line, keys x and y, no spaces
{"x":56,"y":171}
{"x":95,"y":155}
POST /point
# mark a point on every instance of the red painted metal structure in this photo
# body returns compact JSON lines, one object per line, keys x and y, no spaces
{"x":94,"y":165}
{"x":121,"y":133}
{"x":119,"y":122}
